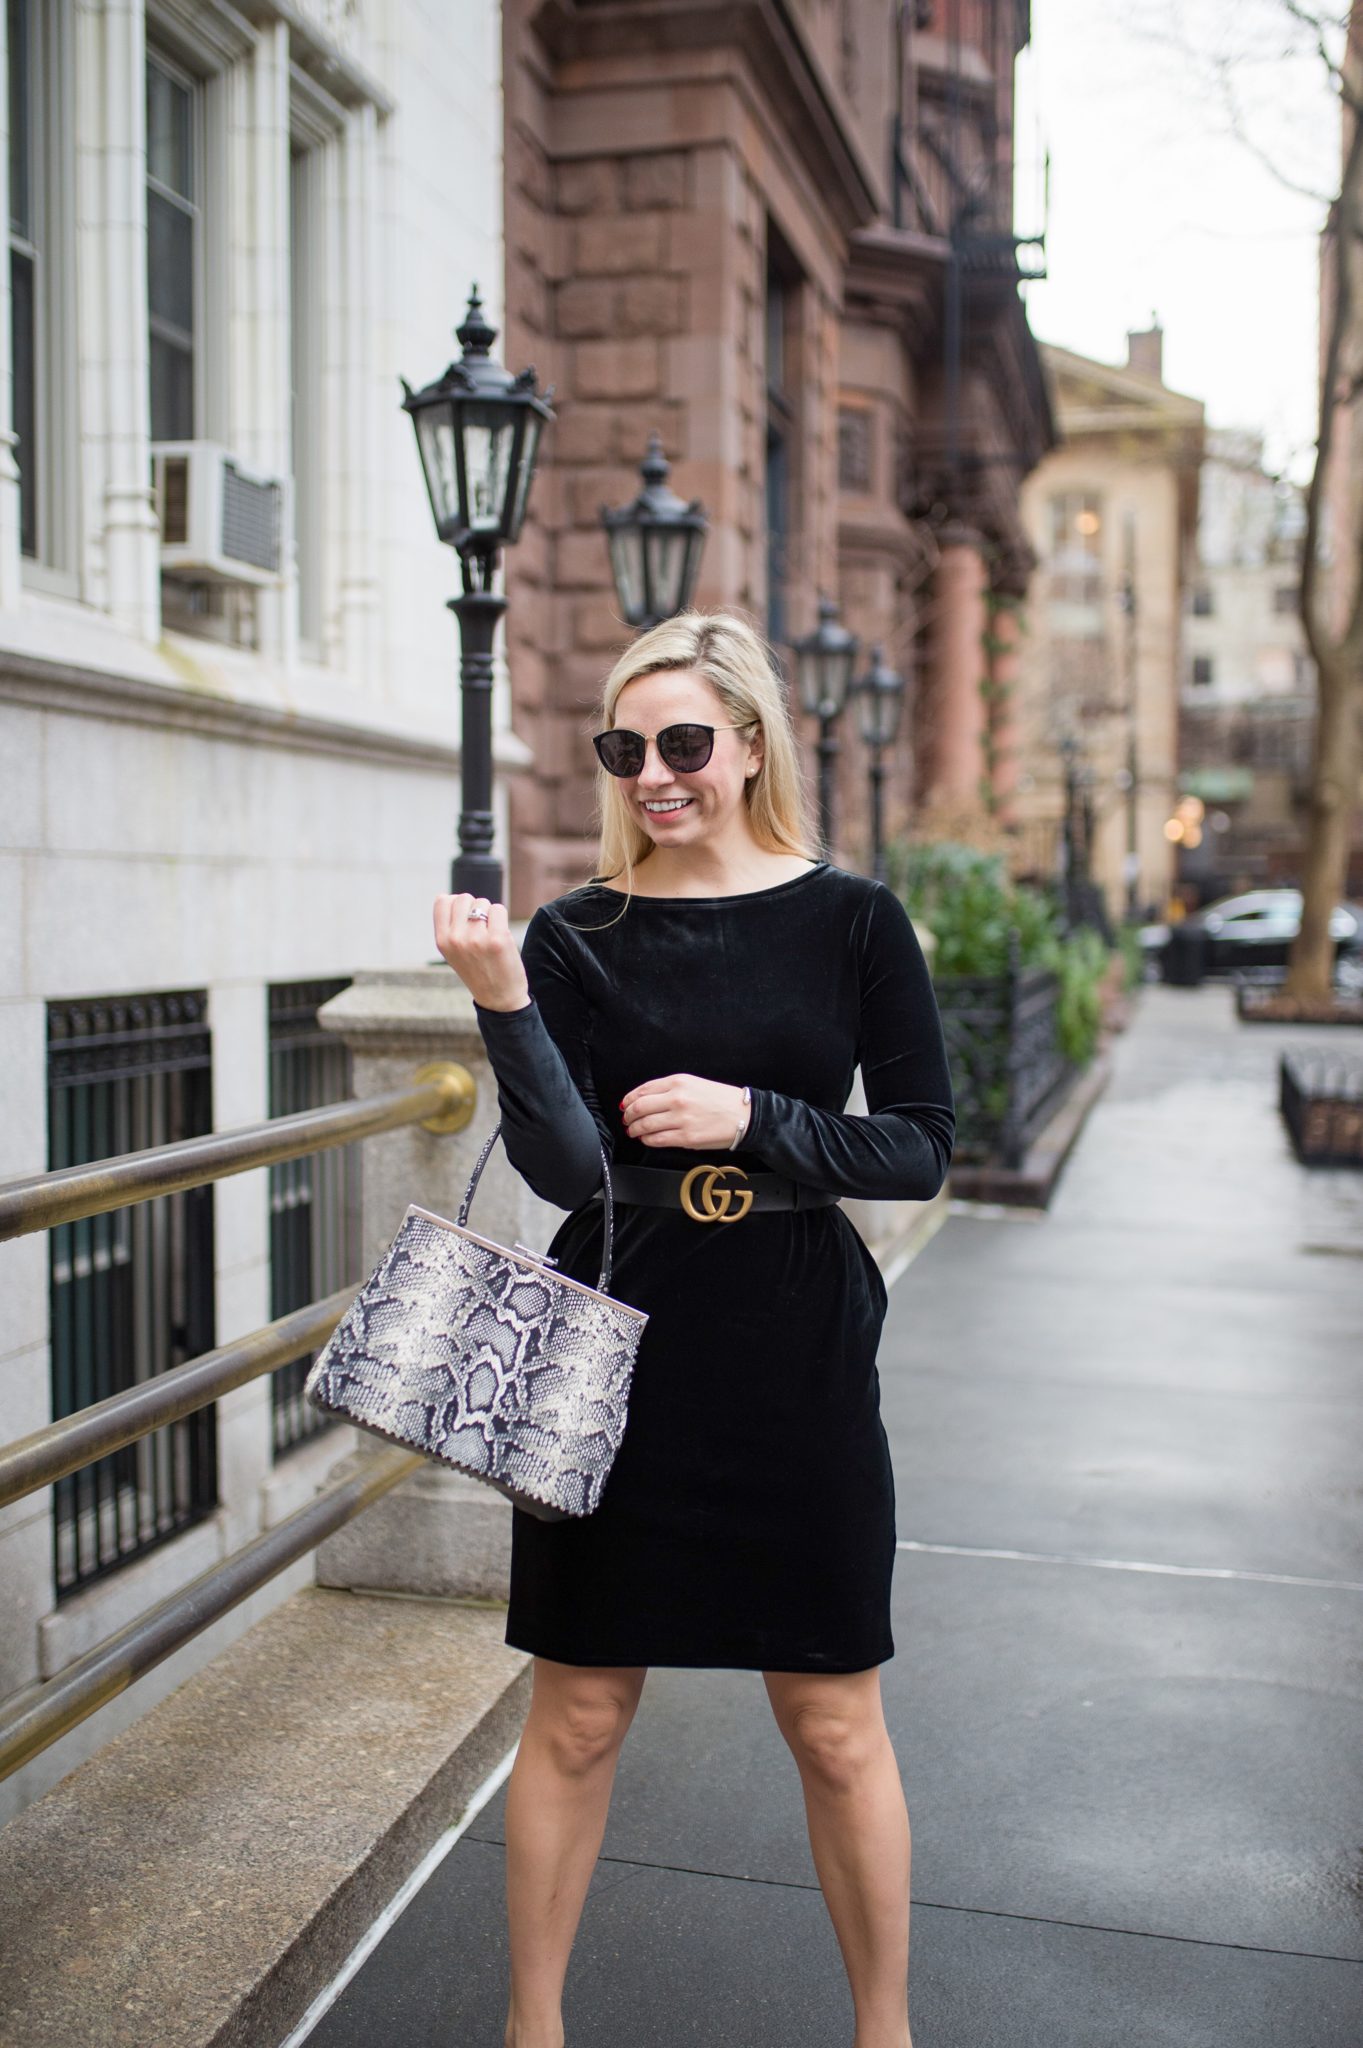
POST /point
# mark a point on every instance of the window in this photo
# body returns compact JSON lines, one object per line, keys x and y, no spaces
{"x":854,"y":449}
{"x":1076,"y":566}
{"x":314,"y":1202}
{"x":782,"y":301}
{"x":1202,"y":668}
{"x":174,"y":247}
{"x":131,"y":1292}
{"x":42,"y":326}
{"x":1203,"y":606}
{"x":1286,"y":598}
{"x":305,"y":399}
{"x":23,"y":267}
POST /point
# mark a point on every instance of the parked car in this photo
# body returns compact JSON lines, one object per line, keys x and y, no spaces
{"x":1253,"y":930}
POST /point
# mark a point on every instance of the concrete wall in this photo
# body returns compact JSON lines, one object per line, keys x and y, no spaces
{"x":179,"y":811}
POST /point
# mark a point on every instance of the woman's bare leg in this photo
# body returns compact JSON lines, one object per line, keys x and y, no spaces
{"x":556,"y":1805}
{"x":859,"y":1834}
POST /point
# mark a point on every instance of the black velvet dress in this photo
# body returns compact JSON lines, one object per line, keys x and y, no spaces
{"x":748,"y":1521}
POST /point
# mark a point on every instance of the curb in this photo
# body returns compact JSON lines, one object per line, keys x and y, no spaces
{"x":1032,"y":1184}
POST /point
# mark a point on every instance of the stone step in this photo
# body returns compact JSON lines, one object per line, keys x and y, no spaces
{"x":200,"y":1879}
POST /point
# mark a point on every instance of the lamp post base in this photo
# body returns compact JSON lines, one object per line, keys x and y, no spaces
{"x":479,"y":875}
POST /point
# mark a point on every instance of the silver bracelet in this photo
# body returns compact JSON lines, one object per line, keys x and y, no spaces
{"x":744,"y":1120}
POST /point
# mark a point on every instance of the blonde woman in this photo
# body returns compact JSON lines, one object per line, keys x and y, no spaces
{"x":702,"y":1003}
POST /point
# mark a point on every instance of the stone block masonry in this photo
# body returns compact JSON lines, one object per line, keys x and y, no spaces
{"x":711,"y":249}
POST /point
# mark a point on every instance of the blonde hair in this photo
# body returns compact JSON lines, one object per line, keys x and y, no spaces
{"x":738,"y":665}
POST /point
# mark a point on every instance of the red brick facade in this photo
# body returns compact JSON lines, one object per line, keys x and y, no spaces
{"x":700,"y":208}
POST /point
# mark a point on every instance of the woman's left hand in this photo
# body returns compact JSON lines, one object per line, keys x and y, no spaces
{"x":683,"y":1110}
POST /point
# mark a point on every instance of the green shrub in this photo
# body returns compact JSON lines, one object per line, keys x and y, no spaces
{"x":971,"y":906}
{"x":964,"y":898}
{"x":1081,"y":963}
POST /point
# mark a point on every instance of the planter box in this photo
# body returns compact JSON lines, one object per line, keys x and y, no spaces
{"x":1321,"y":1100}
{"x":1257,"y":989}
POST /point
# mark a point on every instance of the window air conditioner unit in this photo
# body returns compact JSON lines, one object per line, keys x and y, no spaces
{"x":220,"y":522}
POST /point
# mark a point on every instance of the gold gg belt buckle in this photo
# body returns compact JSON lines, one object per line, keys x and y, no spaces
{"x":715,"y":1201}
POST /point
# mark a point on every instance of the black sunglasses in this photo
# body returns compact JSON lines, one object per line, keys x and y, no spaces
{"x":684,"y":748}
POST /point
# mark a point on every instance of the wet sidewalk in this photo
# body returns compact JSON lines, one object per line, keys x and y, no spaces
{"x":1128,"y":1694}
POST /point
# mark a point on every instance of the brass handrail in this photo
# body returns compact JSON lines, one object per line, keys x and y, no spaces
{"x":112,"y":1666}
{"x":44,"y":1200}
{"x":61,"y":1447}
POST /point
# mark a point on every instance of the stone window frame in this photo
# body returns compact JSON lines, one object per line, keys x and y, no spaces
{"x":198,"y":205}
{"x":107,"y":553}
{"x":856,"y":449}
{"x":339,"y":143}
{"x":197,"y":46}
{"x":317,"y":140}
{"x":46,"y":239}
{"x":783,"y":464}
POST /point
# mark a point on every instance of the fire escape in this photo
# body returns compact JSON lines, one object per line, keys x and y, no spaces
{"x":952,"y":201}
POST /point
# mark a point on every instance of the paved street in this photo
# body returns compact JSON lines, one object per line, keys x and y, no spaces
{"x":1128,"y":1695}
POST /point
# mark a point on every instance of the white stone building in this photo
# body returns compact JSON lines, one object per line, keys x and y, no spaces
{"x":1247,"y":697}
{"x":1243,"y":638}
{"x":228,"y":766}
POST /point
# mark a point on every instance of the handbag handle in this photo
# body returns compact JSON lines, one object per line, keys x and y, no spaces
{"x":603,"y":1284}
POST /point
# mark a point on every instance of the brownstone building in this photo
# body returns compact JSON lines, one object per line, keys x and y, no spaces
{"x":781,"y":236}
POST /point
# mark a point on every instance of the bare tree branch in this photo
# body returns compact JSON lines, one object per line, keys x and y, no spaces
{"x":1221,"y":72}
{"x":1316,"y":23}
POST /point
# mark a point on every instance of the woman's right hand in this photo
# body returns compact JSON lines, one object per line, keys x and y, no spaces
{"x":482,"y":953}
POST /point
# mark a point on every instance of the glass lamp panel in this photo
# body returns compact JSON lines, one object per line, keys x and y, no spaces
{"x":885,"y":715}
{"x":489,"y":433}
{"x":664,"y":567}
{"x":695,"y":542}
{"x":836,"y":666}
{"x":525,"y":473}
{"x":435,"y":439}
{"x":810,"y":681}
{"x":627,"y":567}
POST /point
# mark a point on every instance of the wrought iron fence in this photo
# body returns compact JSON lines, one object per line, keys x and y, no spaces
{"x":1008,"y":1068}
{"x":315,"y":1200}
{"x":132,"y":1290}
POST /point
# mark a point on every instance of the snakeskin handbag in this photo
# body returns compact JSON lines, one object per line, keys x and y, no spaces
{"x":483,"y":1357}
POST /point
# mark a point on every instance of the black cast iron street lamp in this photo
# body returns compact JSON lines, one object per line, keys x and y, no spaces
{"x":879,"y":697}
{"x":655,"y":546}
{"x":824,"y":660}
{"x":478,"y":431}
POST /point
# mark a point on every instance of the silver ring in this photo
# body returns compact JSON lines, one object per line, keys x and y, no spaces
{"x":478,"y":917}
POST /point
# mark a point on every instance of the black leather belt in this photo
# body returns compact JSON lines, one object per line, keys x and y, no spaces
{"x":713,"y":1193}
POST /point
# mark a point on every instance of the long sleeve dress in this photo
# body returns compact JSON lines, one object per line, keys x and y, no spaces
{"x":748,"y":1521}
